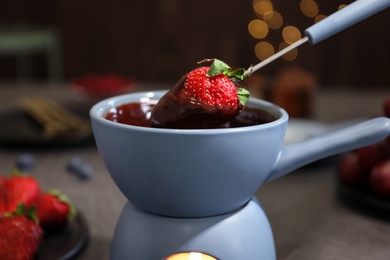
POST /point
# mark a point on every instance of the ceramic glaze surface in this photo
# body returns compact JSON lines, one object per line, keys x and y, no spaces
{"x":199,"y":173}
{"x":243,"y":234}
{"x":188,"y":173}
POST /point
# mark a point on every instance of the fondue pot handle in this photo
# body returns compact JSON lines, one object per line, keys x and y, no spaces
{"x":344,"y":18}
{"x":297,"y":155}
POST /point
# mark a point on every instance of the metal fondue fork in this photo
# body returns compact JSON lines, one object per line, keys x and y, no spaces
{"x":338,"y":21}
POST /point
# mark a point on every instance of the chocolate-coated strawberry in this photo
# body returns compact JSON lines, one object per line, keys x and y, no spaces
{"x":20,"y":235}
{"x":54,"y":210}
{"x":206,"y":97}
{"x":18,"y":189}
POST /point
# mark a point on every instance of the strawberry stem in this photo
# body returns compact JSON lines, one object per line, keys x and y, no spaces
{"x":17,"y":172}
{"x":29,"y":212}
{"x":219,"y":67}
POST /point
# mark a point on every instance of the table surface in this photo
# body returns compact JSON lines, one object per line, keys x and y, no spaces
{"x":308,"y":218}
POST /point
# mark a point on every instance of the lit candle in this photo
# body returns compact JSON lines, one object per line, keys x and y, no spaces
{"x":190,"y":256}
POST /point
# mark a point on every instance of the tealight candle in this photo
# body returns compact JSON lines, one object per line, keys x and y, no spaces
{"x":190,"y":256}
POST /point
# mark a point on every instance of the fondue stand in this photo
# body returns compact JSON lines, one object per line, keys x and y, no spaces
{"x":241,"y":234}
{"x":238,"y":233}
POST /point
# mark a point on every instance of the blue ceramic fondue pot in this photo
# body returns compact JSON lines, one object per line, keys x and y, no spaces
{"x":199,"y":173}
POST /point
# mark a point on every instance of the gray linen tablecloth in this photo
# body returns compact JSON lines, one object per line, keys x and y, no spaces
{"x":308,"y":218}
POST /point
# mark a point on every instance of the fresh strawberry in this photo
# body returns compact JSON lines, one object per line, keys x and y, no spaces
{"x":380,"y":179}
{"x":350,"y":171}
{"x":206,"y":97}
{"x":372,"y":155}
{"x":2,"y":180}
{"x":54,"y":210}
{"x":386,"y":107}
{"x":20,"y":235}
{"x":217,"y":91}
{"x":18,"y":189}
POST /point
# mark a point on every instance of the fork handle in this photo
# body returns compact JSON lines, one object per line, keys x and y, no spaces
{"x":344,"y":18}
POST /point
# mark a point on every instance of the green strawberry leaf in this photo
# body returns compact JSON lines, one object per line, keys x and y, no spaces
{"x":238,"y":73}
{"x":17,"y":172}
{"x":218,"y":67}
{"x":243,"y":95}
{"x":22,"y":210}
{"x":65,"y":199}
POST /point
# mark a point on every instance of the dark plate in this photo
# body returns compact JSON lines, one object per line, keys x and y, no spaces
{"x":364,"y":200}
{"x":19,"y":129}
{"x":65,"y":244}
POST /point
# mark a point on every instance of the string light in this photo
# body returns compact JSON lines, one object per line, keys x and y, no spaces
{"x":274,"y":20}
{"x":270,"y":19}
{"x":342,"y":6}
{"x":291,"y":34}
{"x":291,"y":55}
{"x":263,"y":50}
{"x":309,"y":8}
{"x":258,"y":28}
{"x":262,"y":7}
{"x":319,"y":18}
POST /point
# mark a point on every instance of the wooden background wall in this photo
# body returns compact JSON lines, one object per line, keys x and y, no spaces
{"x":161,"y":40}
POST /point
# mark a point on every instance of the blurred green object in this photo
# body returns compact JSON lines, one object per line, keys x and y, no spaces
{"x":23,"y":41}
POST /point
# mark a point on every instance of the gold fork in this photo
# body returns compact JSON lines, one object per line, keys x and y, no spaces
{"x":56,"y":119}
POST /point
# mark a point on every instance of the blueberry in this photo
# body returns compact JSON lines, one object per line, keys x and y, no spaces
{"x":75,"y":164}
{"x":79,"y":168}
{"x":86,"y":172}
{"x":24,"y":162}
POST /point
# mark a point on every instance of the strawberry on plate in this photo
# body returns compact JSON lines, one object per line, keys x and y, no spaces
{"x":16,"y":189}
{"x":20,"y":235}
{"x":97,"y":86}
{"x":54,"y":210}
{"x":207,"y":97}
{"x":2,"y":179}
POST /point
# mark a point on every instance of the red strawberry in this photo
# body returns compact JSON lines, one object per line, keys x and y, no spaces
{"x":54,"y":210}
{"x":350,"y":171}
{"x":18,"y":189}
{"x":380,"y":178}
{"x":386,"y":107}
{"x":20,"y":235}
{"x":371,"y":155}
{"x":207,"y":97}
{"x":2,"y":179}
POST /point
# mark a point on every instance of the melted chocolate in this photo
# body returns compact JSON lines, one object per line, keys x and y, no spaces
{"x":138,"y":114}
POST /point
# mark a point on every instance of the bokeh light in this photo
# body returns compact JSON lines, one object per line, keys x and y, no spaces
{"x":274,"y":20}
{"x":309,"y":8}
{"x":258,"y":28}
{"x":264,"y":50}
{"x":270,"y":21}
{"x":319,"y":18}
{"x":291,"y":34}
{"x":342,"y":6}
{"x":262,"y":7}
{"x":289,"y":56}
